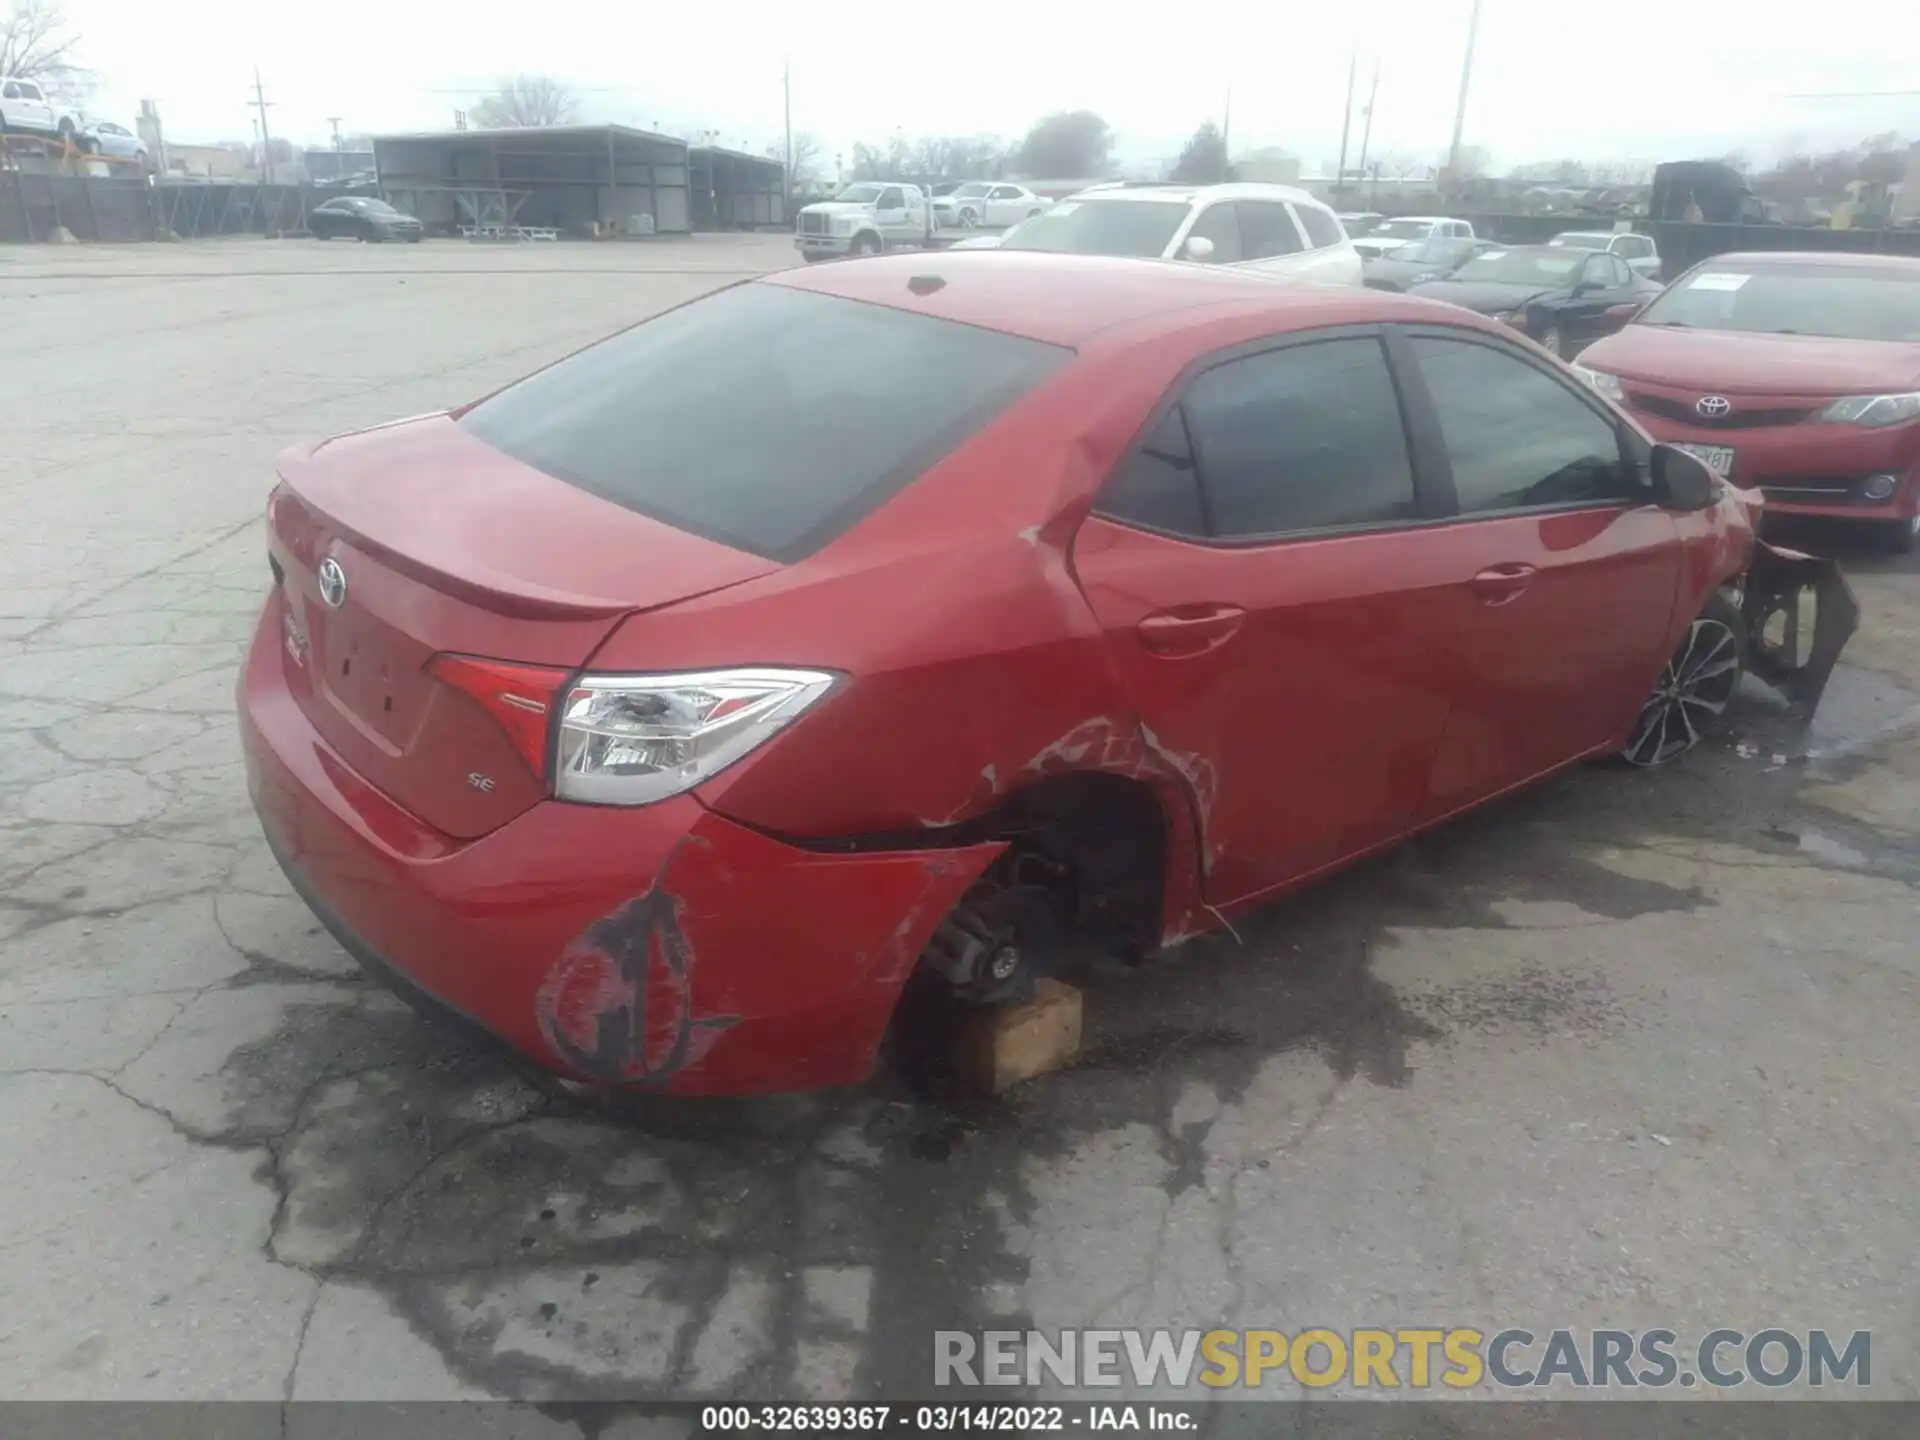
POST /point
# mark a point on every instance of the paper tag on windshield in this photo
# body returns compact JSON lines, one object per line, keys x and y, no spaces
{"x":1715,"y":281}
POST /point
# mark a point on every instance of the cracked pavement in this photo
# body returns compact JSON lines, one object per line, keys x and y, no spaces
{"x":1619,"y":1052}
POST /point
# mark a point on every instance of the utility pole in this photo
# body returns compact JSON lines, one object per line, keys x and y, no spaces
{"x":334,"y":121}
{"x":1226,"y":134}
{"x":786,"y":98}
{"x":1346,"y":119}
{"x":1366,"y":131}
{"x":266,"y":139}
{"x":1460,"y":110}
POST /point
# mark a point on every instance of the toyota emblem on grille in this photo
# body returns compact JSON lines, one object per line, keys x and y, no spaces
{"x":333,"y":583}
{"x":1714,"y":407}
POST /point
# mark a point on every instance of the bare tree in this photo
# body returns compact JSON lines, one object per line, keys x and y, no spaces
{"x":526,"y":102}
{"x":37,"y":42}
{"x":804,"y":162}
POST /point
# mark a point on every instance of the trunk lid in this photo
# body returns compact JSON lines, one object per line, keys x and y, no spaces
{"x":446,"y":546}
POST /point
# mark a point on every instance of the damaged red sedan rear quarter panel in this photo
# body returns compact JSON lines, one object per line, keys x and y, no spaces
{"x":754,"y":933}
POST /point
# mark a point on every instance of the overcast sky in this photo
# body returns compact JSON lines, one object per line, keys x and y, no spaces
{"x":1604,"y":80}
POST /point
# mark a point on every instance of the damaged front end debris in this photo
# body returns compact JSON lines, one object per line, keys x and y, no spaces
{"x":1799,"y":612}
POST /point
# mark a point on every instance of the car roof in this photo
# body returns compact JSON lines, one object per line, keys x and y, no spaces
{"x":1069,"y":299}
{"x":1422,"y":219}
{"x":1235,"y":190}
{"x":1817,"y":259}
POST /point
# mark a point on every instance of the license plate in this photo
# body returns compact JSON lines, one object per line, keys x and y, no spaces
{"x":1715,"y":457}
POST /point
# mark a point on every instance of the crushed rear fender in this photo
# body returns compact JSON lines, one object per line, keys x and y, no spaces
{"x":1799,"y":612}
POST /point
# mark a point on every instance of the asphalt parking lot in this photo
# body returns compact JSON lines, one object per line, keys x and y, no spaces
{"x":1626,"y":1051}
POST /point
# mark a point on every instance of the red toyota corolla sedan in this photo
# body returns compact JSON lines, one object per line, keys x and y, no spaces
{"x":664,"y":710}
{"x":1795,"y":375}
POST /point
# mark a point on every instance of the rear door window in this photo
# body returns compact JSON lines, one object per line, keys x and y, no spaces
{"x":1266,"y":230}
{"x":1155,"y":487}
{"x":766,"y":418}
{"x":1308,"y":437}
{"x":1322,"y":229}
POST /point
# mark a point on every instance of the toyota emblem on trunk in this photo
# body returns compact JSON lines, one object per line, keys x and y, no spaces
{"x":333,"y":583}
{"x":1713,"y":406}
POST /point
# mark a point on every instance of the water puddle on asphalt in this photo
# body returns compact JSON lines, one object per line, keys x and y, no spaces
{"x":1860,"y":709}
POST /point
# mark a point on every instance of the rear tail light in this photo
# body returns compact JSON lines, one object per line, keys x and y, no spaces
{"x":633,"y":739}
{"x":636,"y":739}
{"x":520,"y":698}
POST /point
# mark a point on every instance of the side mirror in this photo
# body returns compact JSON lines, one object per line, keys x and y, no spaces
{"x":1198,"y":247}
{"x":1621,"y":314}
{"x":1681,"y":481}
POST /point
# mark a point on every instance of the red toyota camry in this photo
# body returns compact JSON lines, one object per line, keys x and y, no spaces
{"x":1796,"y":375}
{"x":663,"y":711}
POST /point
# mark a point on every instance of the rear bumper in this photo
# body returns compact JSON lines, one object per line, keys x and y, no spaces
{"x":664,"y":946}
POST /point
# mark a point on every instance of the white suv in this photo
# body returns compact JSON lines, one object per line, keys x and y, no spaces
{"x":25,"y":106}
{"x":1637,"y":250}
{"x":1270,"y":229}
{"x":1411,"y":230}
{"x":866,"y":218}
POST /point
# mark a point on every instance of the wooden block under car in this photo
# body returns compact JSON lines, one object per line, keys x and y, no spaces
{"x":1001,"y":1046}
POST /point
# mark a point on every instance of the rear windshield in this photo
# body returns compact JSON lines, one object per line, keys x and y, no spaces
{"x":1139,"y":228}
{"x":766,"y":418}
{"x":1520,"y":267}
{"x":1834,"y":301}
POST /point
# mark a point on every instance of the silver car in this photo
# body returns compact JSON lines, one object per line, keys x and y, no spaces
{"x":103,"y":137}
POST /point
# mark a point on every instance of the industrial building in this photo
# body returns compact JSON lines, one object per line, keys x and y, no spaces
{"x":576,"y":180}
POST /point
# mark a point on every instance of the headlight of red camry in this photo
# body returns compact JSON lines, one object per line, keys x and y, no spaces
{"x":1873,"y":411}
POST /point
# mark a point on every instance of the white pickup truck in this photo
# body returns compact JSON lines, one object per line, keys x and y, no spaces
{"x":864,"y":219}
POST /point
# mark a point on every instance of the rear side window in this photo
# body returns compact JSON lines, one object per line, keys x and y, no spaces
{"x":1322,"y":229}
{"x":1266,"y":229}
{"x":1155,"y":486}
{"x":1305,"y":438}
{"x":766,"y":418}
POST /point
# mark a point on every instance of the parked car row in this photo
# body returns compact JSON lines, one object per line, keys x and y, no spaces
{"x":1790,"y":347}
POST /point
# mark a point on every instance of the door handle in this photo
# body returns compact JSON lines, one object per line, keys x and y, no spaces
{"x":1498,"y":584}
{"x":1190,"y":629}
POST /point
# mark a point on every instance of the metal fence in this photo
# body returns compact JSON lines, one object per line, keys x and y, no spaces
{"x":38,"y":207}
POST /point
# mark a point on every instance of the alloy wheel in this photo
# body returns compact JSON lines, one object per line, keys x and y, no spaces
{"x":1691,"y":695}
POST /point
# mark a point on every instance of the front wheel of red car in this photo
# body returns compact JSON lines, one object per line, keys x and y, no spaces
{"x":1690,"y":698}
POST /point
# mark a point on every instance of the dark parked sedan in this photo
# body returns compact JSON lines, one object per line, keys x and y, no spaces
{"x":1562,"y":298}
{"x":1419,"y":262}
{"x":358,"y":218}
